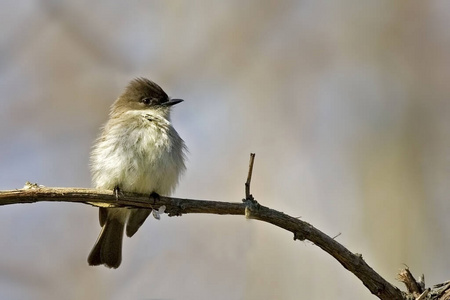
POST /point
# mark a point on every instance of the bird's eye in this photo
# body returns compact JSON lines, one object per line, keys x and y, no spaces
{"x":146,"y":101}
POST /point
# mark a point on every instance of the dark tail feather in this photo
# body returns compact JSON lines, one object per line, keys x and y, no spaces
{"x":108,"y":248}
{"x":136,"y":219}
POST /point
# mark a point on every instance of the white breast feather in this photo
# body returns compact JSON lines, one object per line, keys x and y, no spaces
{"x":139,"y":157}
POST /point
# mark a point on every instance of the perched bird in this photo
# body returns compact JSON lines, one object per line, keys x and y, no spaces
{"x":138,"y":151}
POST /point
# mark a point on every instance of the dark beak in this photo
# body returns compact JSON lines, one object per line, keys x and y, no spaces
{"x":172,"y":102}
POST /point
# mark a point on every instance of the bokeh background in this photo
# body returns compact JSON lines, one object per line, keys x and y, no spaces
{"x":345,"y":103}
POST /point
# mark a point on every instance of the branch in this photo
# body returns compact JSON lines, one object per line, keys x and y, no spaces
{"x":250,"y":208}
{"x":414,"y":287}
{"x":107,"y":198}
{"x":178,"y":206}
{"x":248,"y":196}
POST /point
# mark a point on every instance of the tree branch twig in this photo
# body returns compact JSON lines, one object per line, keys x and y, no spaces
{"x":250,"y":208}
{"x":249,"y":177}
{"x":179,"y":206}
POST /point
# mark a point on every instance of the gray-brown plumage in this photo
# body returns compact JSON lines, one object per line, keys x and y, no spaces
{"x":138,"y":151}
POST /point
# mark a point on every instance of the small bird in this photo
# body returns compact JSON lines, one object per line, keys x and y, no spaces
{"x":138,"y":151}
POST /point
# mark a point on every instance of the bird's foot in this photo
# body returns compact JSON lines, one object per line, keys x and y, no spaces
{"x":117,"y":192}
{"x":154,"y":197}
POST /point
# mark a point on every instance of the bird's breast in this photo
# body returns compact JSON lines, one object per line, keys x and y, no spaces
{"x":142,"y":157}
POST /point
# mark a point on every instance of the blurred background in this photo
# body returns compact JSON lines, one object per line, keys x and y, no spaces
{"x":345,"y":103}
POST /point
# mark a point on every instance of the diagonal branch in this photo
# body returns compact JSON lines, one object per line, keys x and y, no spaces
{"x":178,"y":206}
{"x":250,"y":208}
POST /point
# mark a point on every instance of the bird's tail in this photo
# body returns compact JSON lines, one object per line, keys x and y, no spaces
{"x":108,"y":247}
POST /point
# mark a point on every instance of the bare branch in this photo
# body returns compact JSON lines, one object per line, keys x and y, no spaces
{"x":408,"y":279}
{"x":177,"y":206}
{"x":423,"y":295}
{"x":249,"y":176}
{"x":107,"y":198}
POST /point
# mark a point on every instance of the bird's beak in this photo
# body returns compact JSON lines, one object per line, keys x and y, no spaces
{"x":172,"y":102}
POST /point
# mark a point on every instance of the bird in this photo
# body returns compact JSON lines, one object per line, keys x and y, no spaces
{"x":137,"y":151}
